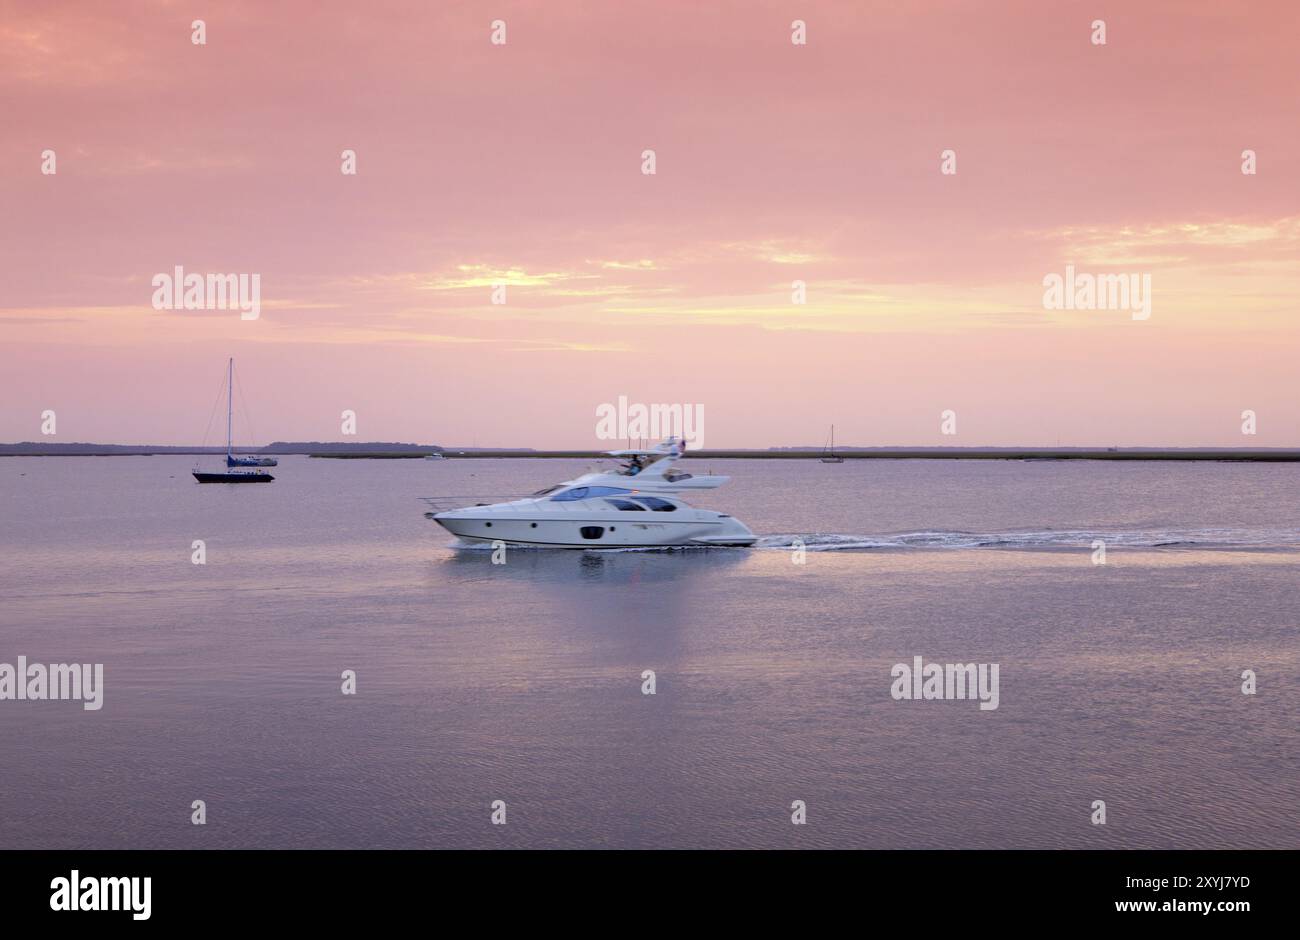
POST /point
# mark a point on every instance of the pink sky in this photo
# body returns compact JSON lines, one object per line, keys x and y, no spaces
{"x":522,"y":163}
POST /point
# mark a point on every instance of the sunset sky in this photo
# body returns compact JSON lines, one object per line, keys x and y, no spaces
{"x":776,"y":162}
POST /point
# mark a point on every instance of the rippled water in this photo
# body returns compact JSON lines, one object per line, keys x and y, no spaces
{"x":522,"y":682}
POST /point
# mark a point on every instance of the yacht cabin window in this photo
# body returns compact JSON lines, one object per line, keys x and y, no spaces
{"x":626,"y":505}
{"x":655,"y":503}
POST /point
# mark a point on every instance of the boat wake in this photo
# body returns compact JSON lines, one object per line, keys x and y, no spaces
{"x":1044,"y":539}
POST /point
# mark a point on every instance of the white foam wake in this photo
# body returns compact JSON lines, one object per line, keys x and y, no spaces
{"x":1046,"y":538}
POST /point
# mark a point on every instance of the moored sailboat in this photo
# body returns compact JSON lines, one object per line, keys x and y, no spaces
{"x":828,"y":453}
{"x":232,"y":474}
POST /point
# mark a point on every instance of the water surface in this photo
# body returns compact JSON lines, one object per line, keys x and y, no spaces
{"x":522,"y":682}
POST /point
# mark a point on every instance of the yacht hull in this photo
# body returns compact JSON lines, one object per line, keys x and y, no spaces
{"x":596,"y":533}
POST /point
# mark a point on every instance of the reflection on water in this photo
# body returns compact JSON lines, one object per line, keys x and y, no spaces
{"x":567,"y":566}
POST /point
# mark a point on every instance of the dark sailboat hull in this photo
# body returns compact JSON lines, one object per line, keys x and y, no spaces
{"x":233,"y":477}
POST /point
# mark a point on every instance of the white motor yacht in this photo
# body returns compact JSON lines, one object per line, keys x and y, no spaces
{"x":639,"y":505}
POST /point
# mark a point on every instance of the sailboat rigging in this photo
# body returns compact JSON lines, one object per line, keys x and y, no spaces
{"x":828,"y":453}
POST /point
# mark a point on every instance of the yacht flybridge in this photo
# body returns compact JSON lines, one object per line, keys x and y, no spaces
{"x":639,"y":505}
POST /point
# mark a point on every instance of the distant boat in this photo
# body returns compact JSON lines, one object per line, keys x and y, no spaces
{"x":434,"y":457}
{"x":232,"y":475}
{"x":828,"y":454}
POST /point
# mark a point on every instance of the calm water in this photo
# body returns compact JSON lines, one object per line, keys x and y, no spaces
{"x":521,"y":682}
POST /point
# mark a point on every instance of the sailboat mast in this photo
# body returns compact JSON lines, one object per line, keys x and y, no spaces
{"x":230,"y":404}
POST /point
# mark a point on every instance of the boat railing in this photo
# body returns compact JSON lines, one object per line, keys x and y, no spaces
{"x":448,"y":503}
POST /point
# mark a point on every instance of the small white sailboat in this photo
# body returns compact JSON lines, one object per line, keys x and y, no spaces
{"x":828,"y":452}
{"x":233,"y":462}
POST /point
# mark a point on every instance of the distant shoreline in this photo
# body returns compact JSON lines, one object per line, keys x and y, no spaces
{"x":385,"y":451}
{"x":1279,"y":455}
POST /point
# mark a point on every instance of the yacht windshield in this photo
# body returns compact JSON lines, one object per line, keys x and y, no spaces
{"x":587,"y":492}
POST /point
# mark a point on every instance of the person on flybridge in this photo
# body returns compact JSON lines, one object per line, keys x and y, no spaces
{"x":672,"y":447}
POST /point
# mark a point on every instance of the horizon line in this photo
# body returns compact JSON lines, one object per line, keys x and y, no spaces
{"x":813,"y":448}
